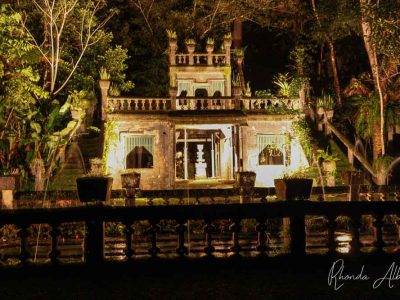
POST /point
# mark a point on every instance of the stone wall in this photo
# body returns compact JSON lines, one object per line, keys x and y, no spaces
{"x":267,"y":173}
{"x":161,"y":175}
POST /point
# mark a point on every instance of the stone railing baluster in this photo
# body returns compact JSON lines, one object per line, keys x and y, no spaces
{"x":54,"y":233}
{"x":235,"y":228}
{"x":209,"y":229}
{"x":181,"y":228}
{"x":379,"y":242}
{"x":355,"y":243}
{"x":128,"y":231}
{"x":23,"y":234}
{"x":261,"y":229}
{"x":332,"y":225}
{"x":153,"y":231}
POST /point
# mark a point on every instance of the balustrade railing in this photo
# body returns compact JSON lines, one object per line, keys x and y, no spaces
{"x":94,"y":218}
{"x":122,"y":104}
{"x":201,"y":59}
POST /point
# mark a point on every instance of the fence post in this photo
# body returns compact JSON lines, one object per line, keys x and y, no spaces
{"x":94,"y":241}
{"x":297,"y":234}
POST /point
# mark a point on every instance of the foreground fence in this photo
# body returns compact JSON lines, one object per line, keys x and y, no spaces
{"x":294,"y":212}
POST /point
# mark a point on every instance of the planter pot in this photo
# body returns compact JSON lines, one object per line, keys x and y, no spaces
{"x":236,"y":91}
{"x":227,"y":43}
{"x":329,"y":166}
{"x":209,"y":48}
{"x":76,"y":114}
{"x":293,"y":189}
{"x":246,"y":181}
{"x":104,"y":84}
{"x":173,"y":43}
{"x":94,"y":188}
{"x":190,"y":48}
{"x":329,"y":114}
{"x":10,"y":182}
{"x":352,"y":178}
{"x":320,"y":111}
{"x":130,"y":180}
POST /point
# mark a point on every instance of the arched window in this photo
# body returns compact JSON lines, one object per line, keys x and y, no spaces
{"x":183,"y":94}
{"x":217,"y":94}
{"x":271,"y":149}
{"x":139,"y":152}
{"x":270,"y":155}
{"x":201,"y":93}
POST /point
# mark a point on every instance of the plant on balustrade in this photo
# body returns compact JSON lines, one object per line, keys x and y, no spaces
{"x":325,"y":101}
{"x":171,"y":34}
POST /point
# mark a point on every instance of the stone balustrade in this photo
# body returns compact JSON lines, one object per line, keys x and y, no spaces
{"x":201,"y":59}
{"x":122,"y":104}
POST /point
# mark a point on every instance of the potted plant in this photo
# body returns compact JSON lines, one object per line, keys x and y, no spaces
{"x":95,"y":186}
{"x":294,"y":186}
{"x":328,"y":165}
{"x":172,"y":37}
{"x":239,"y":55}
{"x":227,"y":40}
{"x":210,"y":45}
{"x":326,"y":104}
{"x":104,"y":79}
{"x":190,"y":45}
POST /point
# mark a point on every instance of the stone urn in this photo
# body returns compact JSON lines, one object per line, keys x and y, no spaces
{"x":190,"y":48}
{"x":130,"y":180}
{"x":293,"y":188}
{"x":209,"y":48}
{"x":329,"y":166}
{"x":329,"y":114}
{"x":246,"y":181}
{"x":104,"y":84}
{"x":173,"y":42}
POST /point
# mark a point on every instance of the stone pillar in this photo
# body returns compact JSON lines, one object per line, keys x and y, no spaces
{"x":8,"y":185}
{"x":227,"y":45}
{"x":104,"y":86}
{"x":172,"y":51}
{"x":210,"y":49}
{"x":38,"y":170}
{"x":190,"y":48}
{"x":172,"y":93}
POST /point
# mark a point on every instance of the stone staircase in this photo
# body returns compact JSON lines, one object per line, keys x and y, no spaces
{"x":76,"y":162}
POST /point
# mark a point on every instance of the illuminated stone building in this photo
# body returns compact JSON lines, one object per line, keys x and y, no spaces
{"x":206,"y":130}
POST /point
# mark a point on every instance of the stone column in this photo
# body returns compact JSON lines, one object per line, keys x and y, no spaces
{"x":172,"y":51}
{"x":38,"y":170}
{"x":227,"y":45}
{"x":104,"y":86}
{"x":8,"y":185}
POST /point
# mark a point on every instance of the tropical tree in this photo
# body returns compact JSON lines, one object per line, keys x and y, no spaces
{"x":67,"y":30}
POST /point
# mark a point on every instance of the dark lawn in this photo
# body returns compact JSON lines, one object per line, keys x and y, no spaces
{"x":278,"y":278}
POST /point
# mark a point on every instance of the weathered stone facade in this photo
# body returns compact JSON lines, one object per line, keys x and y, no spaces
{"x":166,"y":140}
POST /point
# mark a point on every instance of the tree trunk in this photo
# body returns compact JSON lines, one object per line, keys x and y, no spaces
{"x":336,"y":82}
{"x":373,"y":61}
{"x":332,"y":54}
{"x":376,"y":141}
